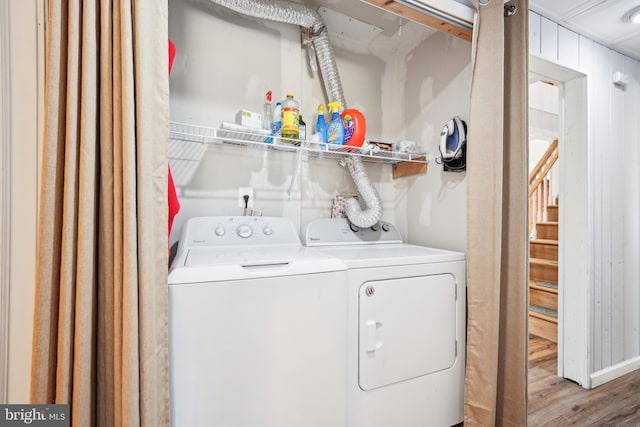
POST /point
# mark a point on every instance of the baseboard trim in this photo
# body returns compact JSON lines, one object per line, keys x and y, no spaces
{"x":615,"y":371}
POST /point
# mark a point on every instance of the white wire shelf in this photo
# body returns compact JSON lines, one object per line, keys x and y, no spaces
{"x":195,"y":139}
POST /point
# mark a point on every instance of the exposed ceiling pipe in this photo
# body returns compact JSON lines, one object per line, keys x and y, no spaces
{"x":309,"y":19}
{"x":289,"y":12}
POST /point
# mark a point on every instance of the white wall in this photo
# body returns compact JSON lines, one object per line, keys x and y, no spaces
{"x":21,"y":78}
{"x":544,"y":118}
{"x":615,"y":138}
{"x":407,"y":83}
{"x":613,"y":194}
{"x":437,"y":201}
{"x":544,"y":112}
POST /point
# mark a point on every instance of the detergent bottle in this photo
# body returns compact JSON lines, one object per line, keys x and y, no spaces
{"x":355,"y":127}
{"x":321,"y":124}
{"x":335,"y":129}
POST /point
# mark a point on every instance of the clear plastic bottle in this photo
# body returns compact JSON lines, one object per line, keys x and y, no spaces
{"x":290,"y":120}
{"x":267,"y":116}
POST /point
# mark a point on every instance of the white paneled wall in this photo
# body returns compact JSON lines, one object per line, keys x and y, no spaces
{"x":613,"y":192}
{"x":548,"y":39}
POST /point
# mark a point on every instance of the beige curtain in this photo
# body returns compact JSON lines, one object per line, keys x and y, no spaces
{"x":497,"y":239}
{"x":100,"y":335}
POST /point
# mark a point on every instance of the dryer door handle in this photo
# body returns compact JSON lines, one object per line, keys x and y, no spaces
{"x":373,"y":343}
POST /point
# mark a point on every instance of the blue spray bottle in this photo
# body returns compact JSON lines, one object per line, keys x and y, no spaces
{"x":335,"y":129}
{"x":321,"y":125}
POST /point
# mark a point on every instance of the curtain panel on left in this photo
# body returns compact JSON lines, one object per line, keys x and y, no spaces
{"x":100,"y":333}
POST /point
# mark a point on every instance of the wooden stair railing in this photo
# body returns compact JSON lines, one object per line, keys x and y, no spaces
{"x":539,"y":186}
{"x":543,"y":249}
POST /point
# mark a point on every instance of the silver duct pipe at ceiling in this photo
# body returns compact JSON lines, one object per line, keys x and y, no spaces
{"x":289,"y":12}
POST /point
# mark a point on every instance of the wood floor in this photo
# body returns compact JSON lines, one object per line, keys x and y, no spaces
{"x":556,"y":402}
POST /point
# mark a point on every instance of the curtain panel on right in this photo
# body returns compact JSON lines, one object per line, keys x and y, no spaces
{"x":497,"y":238}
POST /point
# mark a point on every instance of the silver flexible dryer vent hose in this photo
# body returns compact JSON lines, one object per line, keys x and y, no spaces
{"x":289,"y":12}
{"x":372,"y":212}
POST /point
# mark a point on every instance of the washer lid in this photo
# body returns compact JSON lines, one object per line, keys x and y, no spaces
{"x":382,"y":255}
{"x":223,"y":264}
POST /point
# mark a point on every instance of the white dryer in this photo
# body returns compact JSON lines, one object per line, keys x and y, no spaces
{"x":406,"y":325}
{"x":256,"y":327}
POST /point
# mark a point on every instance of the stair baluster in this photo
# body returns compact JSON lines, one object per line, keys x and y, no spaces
{"x":543,"y":248}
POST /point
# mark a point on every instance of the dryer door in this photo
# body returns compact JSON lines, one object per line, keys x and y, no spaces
{"x":407,"y":328}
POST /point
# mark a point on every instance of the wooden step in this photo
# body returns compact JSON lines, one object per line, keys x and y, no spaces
{"x":543,"y":275}
{"x":547,"y":230}
{"x":543,"y":323}
{"x":543,"y":297}
{"x":543,"y":313}
{"x":546,"y":286}
{"x":543,"y":270}
{"x":543,"y":249}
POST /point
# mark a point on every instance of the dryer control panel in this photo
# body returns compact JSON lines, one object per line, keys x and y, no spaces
{"x":340,"y":231}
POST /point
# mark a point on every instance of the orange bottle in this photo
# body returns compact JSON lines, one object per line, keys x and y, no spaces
{"x":355,"y":127}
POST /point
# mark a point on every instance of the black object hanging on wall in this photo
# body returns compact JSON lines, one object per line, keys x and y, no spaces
{"x":453,"y":145}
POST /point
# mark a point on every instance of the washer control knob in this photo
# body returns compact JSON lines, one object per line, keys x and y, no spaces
{"x":244,"y":231}
{"x":385,"y":226}
{"x":268,"y":231}
{"x":376,"y":226}
{"x":354,"y":227}
{"x":219,"y":231}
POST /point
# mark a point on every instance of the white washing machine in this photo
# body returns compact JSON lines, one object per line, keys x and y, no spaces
{"x":256,"y":327}
{"x":406,"y":326}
